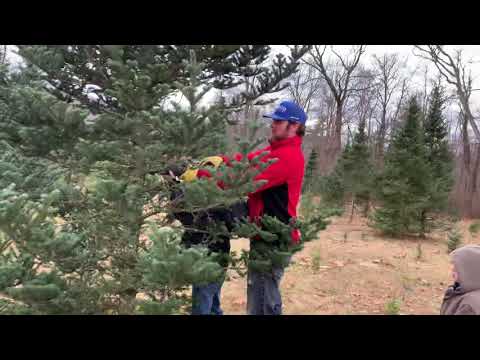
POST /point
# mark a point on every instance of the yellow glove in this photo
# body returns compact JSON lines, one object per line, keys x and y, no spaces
{"x":191,"y":174}
{"x":213,"y":160}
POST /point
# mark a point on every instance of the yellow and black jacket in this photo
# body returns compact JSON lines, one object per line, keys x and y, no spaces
{"x":200,"y":220}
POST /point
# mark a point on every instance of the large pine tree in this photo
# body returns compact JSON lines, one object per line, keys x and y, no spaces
{"x":72,"y":71}
{"x":83,"y":244}
{"x":404,"y":187}
{"x":353,"y":175}
{"x":310,"y":171}
{"x":84,"y":209}
{"x":438,"y":153}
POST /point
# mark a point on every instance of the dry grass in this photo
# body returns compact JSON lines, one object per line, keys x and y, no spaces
{"x":360,"y":276}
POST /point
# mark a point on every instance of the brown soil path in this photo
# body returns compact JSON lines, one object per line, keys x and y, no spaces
{"x":352,"y":270}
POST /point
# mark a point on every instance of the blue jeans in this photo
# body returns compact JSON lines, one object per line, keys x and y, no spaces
{"x":206,"y":299}
{"x":263,"y":292}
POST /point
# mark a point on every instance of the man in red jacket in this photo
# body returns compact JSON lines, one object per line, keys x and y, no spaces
{"x":278,"y":197}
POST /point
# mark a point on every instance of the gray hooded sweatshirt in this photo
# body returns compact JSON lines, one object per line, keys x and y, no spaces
{"x":463,"y":298}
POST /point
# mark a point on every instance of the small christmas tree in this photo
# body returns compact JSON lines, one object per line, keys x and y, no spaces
{"x":438,"y":152}
{"x":310,"y":171}
{"x":454,"y":239}
{"x":404,"y":187}
{"x":353,"y":175}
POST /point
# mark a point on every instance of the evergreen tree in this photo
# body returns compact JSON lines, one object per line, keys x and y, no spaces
{"x":86,"y":230}
{"x":438,"y":152}
{"x":310,"y":171}
{"x":69,"y":69}
{"x":84,"y":209}
{"x":404,"y":187}
{"x":358,"y":170}
{"x":353,"y":175}
{"x":3,"y":54}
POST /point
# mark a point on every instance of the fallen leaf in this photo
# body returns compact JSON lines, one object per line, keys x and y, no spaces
{"x":368,"y":264}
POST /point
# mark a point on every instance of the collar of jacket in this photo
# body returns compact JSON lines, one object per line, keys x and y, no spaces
{"x":293,"y":141}
{"x":454,"y":290}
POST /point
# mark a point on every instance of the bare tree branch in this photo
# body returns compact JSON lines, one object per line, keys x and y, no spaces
{"x":456,"y":74}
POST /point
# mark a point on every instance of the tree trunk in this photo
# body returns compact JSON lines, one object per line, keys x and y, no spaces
{"x":335,"y":138}
{"x":353,"y":207}
{"x":423,"y":221}
{"x":381,"y":138}
{"x":468,"y":199}
{"x":366,"y":208}
{"x":473,"y":184}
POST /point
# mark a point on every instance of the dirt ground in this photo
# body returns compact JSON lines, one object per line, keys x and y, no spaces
{"x":352,"y":270}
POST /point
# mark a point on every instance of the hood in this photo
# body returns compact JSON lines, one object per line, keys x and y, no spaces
{"x":467,"y":264}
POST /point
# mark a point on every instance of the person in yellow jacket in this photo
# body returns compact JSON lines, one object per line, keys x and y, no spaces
{"x":206,"y":298}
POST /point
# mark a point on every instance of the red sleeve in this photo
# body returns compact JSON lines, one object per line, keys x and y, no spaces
{"x":225,"y":159}
{"x":275,"y":174}
{"x":239,"y":156}
{"x":228,"y":161}
{"x":257,"y":153}
{"x":203,"y":173}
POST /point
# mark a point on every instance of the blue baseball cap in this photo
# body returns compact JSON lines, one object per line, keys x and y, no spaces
{"x":288,"y":111}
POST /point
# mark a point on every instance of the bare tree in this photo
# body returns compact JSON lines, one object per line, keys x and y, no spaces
{"x":363,"y":102}
{"x":454,"y":69}
{"x":389,"y":81}
{"x":338,"y":75}
{"x":304,"y":85}
{"x":393,"y":121}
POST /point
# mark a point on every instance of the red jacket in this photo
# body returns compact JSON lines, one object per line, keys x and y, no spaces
{"x":279,"y":197}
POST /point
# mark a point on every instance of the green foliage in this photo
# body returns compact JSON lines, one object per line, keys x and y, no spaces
{"x":80,"y":181}
{"x":9,"y":307}
{"x":454,"y":239}
{"x":393,"y":307}
{"x":271,"y":245}
{"x":316,"y":261}
{"x":353,"y":175}
{"x":35,"y":292}
{"x":310,"y":171}
{"x":418,"y":174}
{"x":438,"y":154}
{"x":167,"y":264}
{"x":332,"y":189}
{"x":404,"y":186}
{"x":166,"y":307}
{"x":313,"y":216}
{"x":68,"y":68}
{"x":474,"y":227}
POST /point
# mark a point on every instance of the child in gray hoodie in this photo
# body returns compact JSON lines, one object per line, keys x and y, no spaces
{"x":463,"y":297}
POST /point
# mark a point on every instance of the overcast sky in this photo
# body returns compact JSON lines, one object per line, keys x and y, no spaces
{"x":470,"y":52}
